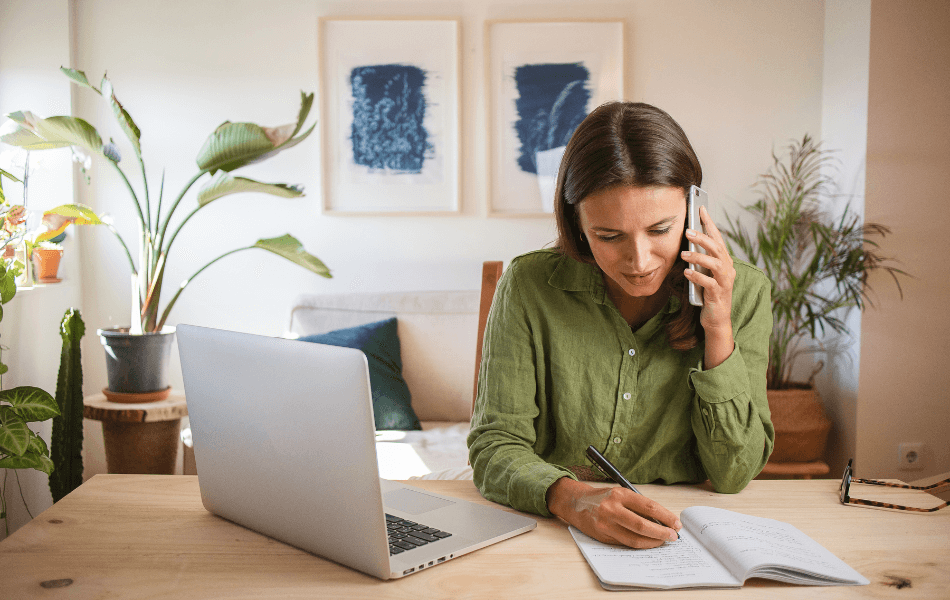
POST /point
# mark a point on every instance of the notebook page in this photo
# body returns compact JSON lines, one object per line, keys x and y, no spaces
{"x":683,"y":563}
{"x":745,"y":543}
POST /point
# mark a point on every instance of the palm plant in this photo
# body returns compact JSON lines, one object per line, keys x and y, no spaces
{"x":231,"y":146}
{"x":818,"y":266}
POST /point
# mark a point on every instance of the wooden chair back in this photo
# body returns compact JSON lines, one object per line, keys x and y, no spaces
{"x":491,"y":273}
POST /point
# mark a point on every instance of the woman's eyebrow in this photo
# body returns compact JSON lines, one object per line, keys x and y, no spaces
{"x":660,"y":223}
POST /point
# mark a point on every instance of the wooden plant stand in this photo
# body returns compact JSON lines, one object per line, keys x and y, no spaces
{"x":140,"y":438}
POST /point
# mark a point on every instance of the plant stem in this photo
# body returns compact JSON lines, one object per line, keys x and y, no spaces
{"x":124,"y":247}
{"x":184,"y":283}
{"x":128,"y":184}
{"x":16,"y":473}
{"x":148,"y":208}
{"x":168,"y":217}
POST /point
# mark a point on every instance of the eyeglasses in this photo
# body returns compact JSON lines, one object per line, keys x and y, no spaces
{"x":847,"y":480}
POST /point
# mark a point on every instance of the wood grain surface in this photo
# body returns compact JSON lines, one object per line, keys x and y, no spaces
{"x":148,"y":536}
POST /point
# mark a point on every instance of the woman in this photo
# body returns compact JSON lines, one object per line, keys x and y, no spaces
{"x":595,"y":343}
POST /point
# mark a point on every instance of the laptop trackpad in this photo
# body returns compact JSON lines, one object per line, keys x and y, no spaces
{"x":412,"y":502}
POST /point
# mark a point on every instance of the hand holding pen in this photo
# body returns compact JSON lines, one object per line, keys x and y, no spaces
{"x":613,"y":515}
{"x":608,"y":469}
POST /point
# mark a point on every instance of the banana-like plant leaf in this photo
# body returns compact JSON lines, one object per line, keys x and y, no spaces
{"x":234,"y":145}
{"x":131,"y":130}
{"x":29,"y":460}
{"x":59,"y":218}
{"x":225,"y":184}
{"x":52,"y":132}
{"x":30,"y":403}
{"x":290,"y":248}
{"x":14,"y":433}
{"x":17,"y":135}
{"x":79,"y":77}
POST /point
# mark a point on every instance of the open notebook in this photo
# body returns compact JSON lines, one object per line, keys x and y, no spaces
{"x":718,"y":548}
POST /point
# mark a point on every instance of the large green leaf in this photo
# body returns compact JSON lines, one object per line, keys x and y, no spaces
{"x":30,"y":460}
{"x":79,"y":77}
{"x":291,"y":249}
{"x":234,"y":145}
{"x":7,"y":286}
{"x":30,"y":403}
{"x":52,"y":132}
{"x":14,"y":433}
{"x":59,"y":218}
{"x":225,"y":184}
{"x":131,"y":130}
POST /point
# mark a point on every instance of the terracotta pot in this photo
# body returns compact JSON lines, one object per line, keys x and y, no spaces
{"x":47,"y":264}
{"x":801,"y":427}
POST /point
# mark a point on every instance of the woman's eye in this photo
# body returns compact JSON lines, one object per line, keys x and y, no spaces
{"x":608,"y":238}
{"x":661,"y":231}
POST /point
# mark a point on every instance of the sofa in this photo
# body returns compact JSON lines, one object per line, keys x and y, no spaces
{"x":437,"y":334}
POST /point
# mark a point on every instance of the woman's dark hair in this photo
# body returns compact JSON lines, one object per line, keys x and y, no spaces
{"x":628,"y":144}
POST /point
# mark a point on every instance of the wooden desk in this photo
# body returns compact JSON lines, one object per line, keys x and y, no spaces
{"x":148,"y":536}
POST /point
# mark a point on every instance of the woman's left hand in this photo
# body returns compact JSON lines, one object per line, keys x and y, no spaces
{"x":716,"y":315}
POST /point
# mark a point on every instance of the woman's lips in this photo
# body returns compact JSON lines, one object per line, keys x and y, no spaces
{"x":637,"y":279}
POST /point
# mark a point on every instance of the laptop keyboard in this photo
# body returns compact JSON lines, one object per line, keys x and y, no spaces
{"x":406,"y":535}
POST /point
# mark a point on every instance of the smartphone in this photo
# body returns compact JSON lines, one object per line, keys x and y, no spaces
{"x":697,"y":198}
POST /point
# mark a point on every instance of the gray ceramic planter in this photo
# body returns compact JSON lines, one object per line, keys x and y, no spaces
{"x":137,"y":364}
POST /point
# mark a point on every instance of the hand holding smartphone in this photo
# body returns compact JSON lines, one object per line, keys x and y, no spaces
{"x":697,"y":198}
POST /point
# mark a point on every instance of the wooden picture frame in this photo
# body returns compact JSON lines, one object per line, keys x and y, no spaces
{"x":543,"y":78}
{"x":390,"y":97}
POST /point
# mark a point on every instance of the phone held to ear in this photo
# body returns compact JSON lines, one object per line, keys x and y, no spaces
{"x":697,"y":198}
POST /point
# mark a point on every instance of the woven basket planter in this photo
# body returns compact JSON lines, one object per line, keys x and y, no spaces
{"x":801,"y":427}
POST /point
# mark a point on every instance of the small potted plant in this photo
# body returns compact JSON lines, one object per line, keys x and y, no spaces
{"x":137,"y":355}
{"x":46,"y":257}
{"x":819,"y":267}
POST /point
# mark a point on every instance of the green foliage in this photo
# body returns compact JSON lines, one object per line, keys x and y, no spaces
{"x":66,"y":441}
{"x":818,"y":266}
{"x":231,"y":146}
{"x":20,"y":448}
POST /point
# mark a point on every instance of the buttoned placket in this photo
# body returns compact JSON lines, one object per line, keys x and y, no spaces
{"x":627,"y":388}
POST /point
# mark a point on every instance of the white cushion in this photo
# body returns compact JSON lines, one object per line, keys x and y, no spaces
{"x":437,"y":333}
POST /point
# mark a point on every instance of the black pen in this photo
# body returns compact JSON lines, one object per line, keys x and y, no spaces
{"x":608,"y":469}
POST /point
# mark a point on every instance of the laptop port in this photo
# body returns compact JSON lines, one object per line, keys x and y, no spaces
{"x":431,"y":562}
{"x":442,"y":560}
{"x":407,"y":571}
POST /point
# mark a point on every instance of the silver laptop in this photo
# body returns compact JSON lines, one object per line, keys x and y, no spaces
{"x":285,"y":445}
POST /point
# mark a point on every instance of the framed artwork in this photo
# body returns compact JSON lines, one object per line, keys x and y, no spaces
{"x":544,"y":77}
{"x":390,"y":109}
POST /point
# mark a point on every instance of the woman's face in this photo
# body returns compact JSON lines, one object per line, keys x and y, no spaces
{"x":635,"y":235}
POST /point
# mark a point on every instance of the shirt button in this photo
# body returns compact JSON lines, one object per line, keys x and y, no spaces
{"x":626,"y":396}
{"x":617,"y":440}
{"x":631,"y":351}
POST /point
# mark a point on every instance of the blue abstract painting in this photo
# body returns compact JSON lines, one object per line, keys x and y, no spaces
{"x":552,"y":102}
{"x":389,"y":109}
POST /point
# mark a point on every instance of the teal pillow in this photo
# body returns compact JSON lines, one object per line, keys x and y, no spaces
{"x":392,"y":402}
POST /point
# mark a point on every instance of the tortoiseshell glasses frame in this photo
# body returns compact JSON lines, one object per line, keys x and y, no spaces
{"x":847,"y":480}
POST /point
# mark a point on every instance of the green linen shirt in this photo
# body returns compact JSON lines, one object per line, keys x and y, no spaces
{"x":562,"y":370}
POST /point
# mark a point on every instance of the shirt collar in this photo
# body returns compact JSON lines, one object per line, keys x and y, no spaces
{"x":574,"y":276}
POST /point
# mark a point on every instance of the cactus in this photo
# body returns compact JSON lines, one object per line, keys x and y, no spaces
{"x":66,"y":444}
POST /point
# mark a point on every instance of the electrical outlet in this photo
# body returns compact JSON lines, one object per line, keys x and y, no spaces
{"x":910,"y":456}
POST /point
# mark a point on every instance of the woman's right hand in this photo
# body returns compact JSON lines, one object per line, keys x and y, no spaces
{"x":613,"y":515}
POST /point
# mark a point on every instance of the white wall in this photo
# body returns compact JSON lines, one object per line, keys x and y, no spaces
{"x":33,"y":45}
{"x":844,"y":122}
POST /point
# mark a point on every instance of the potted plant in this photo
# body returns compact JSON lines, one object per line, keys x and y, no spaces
{"x":20,"y":447}
{"x":136,"y":355}
{"x":46,"y":257}
{"x":819,"y":267}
